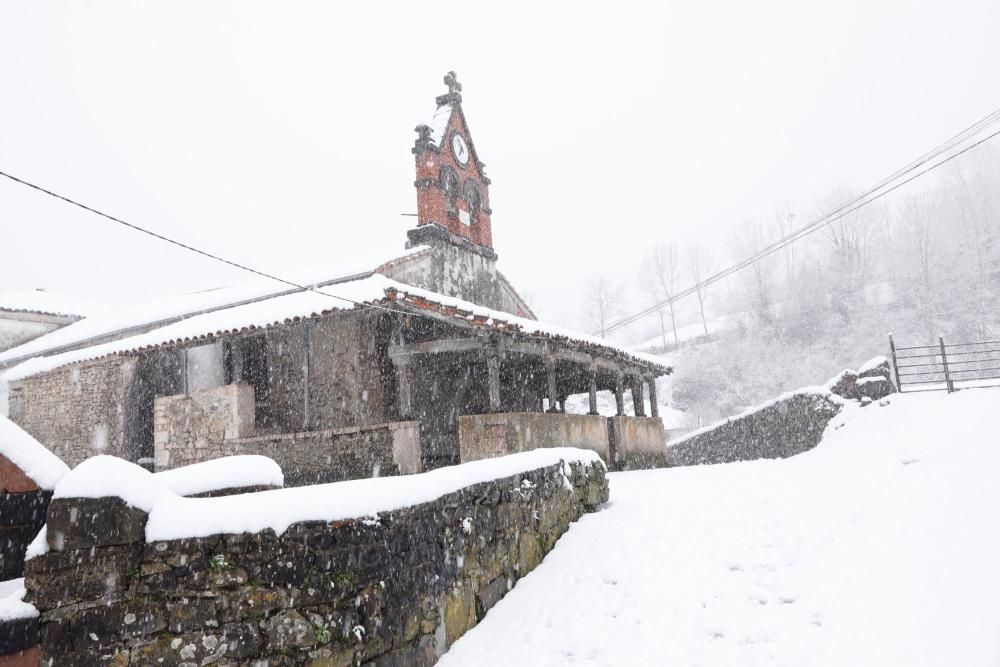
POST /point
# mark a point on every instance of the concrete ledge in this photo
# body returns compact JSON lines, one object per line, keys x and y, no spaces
{"x":491,"y":435}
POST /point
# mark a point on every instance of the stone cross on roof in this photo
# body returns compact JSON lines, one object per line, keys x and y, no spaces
{"x":451,"y":80}
{"x":454,"y":94}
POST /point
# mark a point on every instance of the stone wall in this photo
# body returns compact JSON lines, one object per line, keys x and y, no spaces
{"x":14,"y":332}
{"x":638,"y":442}
{"x":456,"y":269}
{"x":625,"y":443}
{"x":393,"y":591}
{"x":215,"y":423}
{"x":333,"y":455}
{"x":22,"y":512}
{"x":186,"y":425}
{"x":77,"y":411}
{"x":790,"y":425}
{"x":490,"y":435}
{"x":19,"y":642}
{"x":349,"y":372}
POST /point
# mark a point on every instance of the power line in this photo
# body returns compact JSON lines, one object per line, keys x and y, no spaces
{"x":871,"y":195}
{"x":191,"y":248}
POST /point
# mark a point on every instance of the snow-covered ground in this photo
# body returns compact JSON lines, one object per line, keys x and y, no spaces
{"x":880,"y":547}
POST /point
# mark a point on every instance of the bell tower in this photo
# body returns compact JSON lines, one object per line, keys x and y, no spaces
{"x":453,"y":197}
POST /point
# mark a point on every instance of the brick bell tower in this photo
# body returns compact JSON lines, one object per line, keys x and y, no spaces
{"x":453,"y":196}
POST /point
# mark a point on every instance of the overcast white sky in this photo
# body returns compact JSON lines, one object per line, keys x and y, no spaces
{"x":279,"y":134}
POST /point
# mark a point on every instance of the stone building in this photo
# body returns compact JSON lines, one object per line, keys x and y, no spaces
{"x":27,"y":315}
{"x":387,"y":367}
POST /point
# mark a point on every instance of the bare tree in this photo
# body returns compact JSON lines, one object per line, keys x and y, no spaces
{"x":747,"y":240}
{"x":700,"y":264}
{"x":603,"y":303}
{"x":850,"y":236}
{"x":784,"y":220}
{"x":658,"y":277}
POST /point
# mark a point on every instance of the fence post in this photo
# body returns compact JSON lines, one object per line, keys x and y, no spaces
{"x":895,"y":366}
{"x":944,"y":362}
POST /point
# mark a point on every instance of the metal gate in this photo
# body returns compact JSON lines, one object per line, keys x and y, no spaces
{"x":944,"y":367}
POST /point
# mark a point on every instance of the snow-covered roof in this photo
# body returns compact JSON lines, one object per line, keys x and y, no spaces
{"x":374,"y":290}
{"x":48,"y":303}
{"x":439,"y":124}
{"x":145,"y":315}
{"x":173,"y":517}
{"x":31,"y":456}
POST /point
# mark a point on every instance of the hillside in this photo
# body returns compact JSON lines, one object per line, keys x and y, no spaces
{"x":879,"y":547}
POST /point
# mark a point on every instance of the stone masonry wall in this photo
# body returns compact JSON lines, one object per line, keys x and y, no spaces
{"x":489,"y":435}
{"x":22,"y":513}
{"x":319,"y":457}
{"x":210,"y":424}
{"x":186,"y":424}
{"x":790,"y":425}
{"x":393,"y":591}
{"x":77,"y":411}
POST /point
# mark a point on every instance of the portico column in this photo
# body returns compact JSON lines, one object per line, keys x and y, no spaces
{"x":550,"y":368}
{"x":638,"y":404}
{"x":593,"y":393}
{"x":654,"y":408}
{"x":620,"y":395}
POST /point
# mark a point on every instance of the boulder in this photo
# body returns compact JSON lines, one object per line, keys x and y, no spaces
{"x":874,"y":388}
{"x":843,"y":384}
{"x":876,"y":367}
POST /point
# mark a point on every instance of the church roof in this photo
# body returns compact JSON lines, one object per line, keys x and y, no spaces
{"x":372,"y":291}
{"x":134,"y":319}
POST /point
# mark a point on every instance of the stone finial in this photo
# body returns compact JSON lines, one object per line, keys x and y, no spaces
{"x":423,"y":138}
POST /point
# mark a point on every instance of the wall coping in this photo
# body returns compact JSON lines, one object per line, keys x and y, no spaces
{"x":174,"y":517}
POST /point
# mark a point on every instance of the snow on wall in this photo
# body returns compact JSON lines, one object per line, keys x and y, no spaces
{"x":395,"y":589}
{"x":230,"y":472}
{"x":12,"y":604}
{"x":172,"y":516}
{"x":32,"y":457}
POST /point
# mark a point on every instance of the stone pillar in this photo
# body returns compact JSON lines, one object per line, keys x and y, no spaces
{"x":550,"y":370}
{"x":620,"y":395}
{"x":654,"y":409}
{"x":638,"y":405}
{"x":593,"y":393}
{"x":493,"y":379}
{"x":306,"y":370}
{"x":404,"y":390}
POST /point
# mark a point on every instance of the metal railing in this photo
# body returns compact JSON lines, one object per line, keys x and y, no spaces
{"x":946,"y":367}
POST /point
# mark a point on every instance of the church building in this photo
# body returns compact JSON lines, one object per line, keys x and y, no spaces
{"x":394,"y":366}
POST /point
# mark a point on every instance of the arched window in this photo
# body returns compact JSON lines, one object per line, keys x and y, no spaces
{"x":473,"y":196}
{"x":449,"y":183}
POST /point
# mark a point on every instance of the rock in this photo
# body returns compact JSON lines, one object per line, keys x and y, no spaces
{"x":289,"y":629}
{"x":874,"y":388}
{"x":78,"y":523}
{"x":843,"y":384}
{"x":876,"y":367}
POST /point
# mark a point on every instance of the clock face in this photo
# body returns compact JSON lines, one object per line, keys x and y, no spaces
{"x":460,"y":149}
